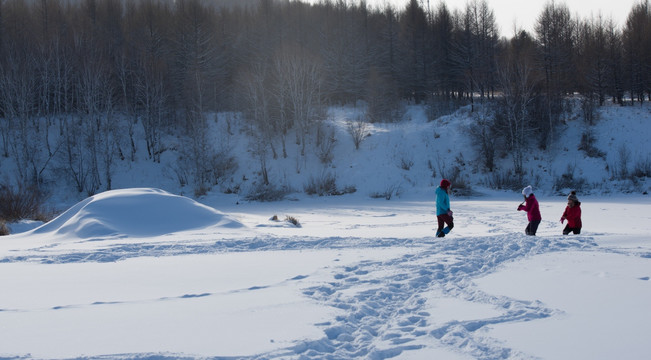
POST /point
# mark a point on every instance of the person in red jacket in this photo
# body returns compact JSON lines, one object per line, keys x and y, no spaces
{"x":572,"y":214}
{"x":533,"y":210}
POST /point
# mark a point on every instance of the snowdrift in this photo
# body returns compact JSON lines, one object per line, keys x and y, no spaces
{"x":138,"y":212}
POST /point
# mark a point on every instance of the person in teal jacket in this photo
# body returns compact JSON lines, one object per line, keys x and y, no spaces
{"x":443,"y":212}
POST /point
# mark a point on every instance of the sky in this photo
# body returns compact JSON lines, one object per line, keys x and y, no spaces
{"x":526,"y":12}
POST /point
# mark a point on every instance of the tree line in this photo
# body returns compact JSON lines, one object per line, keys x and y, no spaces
{"x":101,"y":72}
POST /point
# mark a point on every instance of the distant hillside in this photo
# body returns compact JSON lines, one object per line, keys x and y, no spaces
{"x":614,"y":155}
{"x":409,"y":156}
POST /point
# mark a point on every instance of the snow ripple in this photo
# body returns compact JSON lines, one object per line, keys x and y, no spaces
{"x":118,"y":252}
{"x":385,"y":302}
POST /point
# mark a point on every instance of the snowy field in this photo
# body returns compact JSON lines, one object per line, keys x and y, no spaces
{"x":140,"y":273}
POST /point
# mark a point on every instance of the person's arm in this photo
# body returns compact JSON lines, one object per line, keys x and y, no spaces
{"x":448,"y":203}
{"x":577,"y":215}
{"x":522,"y":207}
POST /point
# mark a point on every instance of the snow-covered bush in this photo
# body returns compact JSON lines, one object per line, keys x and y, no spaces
{"x":326,"y":145}
{"x":460,"y":185}
{"x":268,"y":192}
{"x":292,"y":220}
{"x":642,"y":167}
{"x":406,"y":162}
{"x":619,"y":169}
{"x":568,"y":180}
{"x":587,"y":145}
{"x":358,"y":130}
{"x":388,"y":193}
{"x":505,"y":180}
{"x":325,"y":184}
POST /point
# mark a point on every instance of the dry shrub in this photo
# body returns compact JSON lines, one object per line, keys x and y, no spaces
{"x":4,"y":230}
{"x":292,"y":220}
{"x":21,"y":203}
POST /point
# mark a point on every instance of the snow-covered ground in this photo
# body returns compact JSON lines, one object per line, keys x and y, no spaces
{"x":146,"y":273}
{"x":359,"y":278}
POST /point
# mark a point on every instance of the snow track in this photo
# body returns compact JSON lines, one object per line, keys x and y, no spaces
{"x":387,"y":314}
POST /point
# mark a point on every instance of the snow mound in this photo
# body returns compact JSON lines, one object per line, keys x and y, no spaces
{"x":138,"y":212}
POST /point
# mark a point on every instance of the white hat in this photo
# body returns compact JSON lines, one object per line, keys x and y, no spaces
{"x":527,"y":191}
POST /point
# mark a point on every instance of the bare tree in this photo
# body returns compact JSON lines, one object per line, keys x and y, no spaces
{"x":445,"y":71}
{"x":614,"y":62}
{"x":484,"y":136}
{"x":151,"y":98}
{"x":74,"y":163}
{"x":257,"y":98}
{"x":198,"y":59}
{"x":382,"y":97}
{"x":358,"y":130}
{"x":414,"y":70}
{"x":21,"y":132}
{"x":345,"y":51}
{"x":301,"y":87}
{"x":485,"y":38}
{"x":466,"y":51}
{"x":555,"y":31}
{"x":109,"y":143}
{"x":518,"y":82}
{"x":637,"y":51}
{"x":150,"y":73}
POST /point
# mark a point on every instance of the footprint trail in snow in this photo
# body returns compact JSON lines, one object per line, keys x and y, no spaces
{"x":385,"y":315}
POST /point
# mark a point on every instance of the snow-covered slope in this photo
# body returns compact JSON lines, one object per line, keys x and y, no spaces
{"x":412,"y":155}
{"x":409,"y":156}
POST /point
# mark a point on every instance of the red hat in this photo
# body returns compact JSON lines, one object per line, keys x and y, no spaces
{"x":445,"y":183}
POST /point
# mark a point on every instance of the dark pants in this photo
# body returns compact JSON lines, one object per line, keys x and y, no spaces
{"x":532,"y":227}
{"x":568,"y":230}
{"x":442,"y":220}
